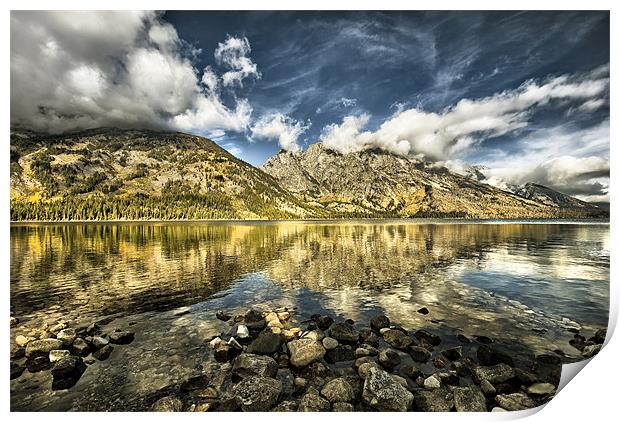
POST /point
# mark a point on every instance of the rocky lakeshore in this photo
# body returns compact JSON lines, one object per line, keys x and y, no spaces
{"x":268,"y":361}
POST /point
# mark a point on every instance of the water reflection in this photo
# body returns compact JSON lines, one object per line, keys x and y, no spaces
{"x":522,"y":284}
{"x":112,"y":268}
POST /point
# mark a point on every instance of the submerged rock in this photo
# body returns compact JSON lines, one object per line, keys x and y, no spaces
{"x":454,"y":353}
{"x":257,"y":394}
{"x":305,"y":351}
{"x":489,"y":356}
{"x":384,"y":393}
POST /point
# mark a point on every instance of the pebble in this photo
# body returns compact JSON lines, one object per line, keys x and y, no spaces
{"x":56,"y":355}
{"x":330,"y":343}
{"x":432,"y":382}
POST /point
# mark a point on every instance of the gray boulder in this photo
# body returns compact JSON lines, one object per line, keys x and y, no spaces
{"x":338,"y":390}
{"x":494,"y":374}
{"x":435,"y":400}
{"x":469,"y":399}
{"x":397,"y":339}
{"x":382,"y":392}
{"x":344,"y":332}
{"x":42,"y":347}
{"x":257,"y":394}
{"x":305,"y":351}
{"x":313,"y":402}
{"x":248,"y":364}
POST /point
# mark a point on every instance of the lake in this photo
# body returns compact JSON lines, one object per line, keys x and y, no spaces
{"x":520,"y":283}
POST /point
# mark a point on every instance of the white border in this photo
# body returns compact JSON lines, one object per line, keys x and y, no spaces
{"x":590,"y":396}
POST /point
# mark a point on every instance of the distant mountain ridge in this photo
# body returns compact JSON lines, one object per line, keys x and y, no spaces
{"x":379,"y":182}
{"x":109,"y":174}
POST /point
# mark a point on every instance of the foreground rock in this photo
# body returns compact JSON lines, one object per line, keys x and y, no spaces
{"x":167,"y":404}
{"x":469,"y":399}
{"x":257,"y":394}
{"x":247,"y":364}
{"x":42,"y":347}
{"x":305,"y":351}
{"x":515,"y":401}
{"x":338,"y":390}
{"x":384,"y":393}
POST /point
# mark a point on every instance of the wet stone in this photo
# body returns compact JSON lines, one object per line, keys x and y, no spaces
{"x":313,"y":402}
{"x":494,"y":374}
{"x":305,"y":351}
{"x":16,"y":370}
{"x":436,"y":400}
{"x":389,"y":359}
{"x":463,"y":339}
{"x":286,"y":406}
{"x":42,"y":347}
{"x":266,"y":343}
{"x":225,"y":353}
{"x":515,"y":401}
{"x":80,"y":347}
{"x":489,"y":356}
{"x":330,"y":343}
{"x":419,"y":354}
{"x":368,"y":337}
{"x":432,"y":382}
{"x":344,"y":332}
{"x":56,"y":355}
{"x":397,"y":339}
{"x":257,"y":394}
{"x":167,"y":404}
{"x":66,"y":372}
{"x":423,"y":311}
{"x":222,"y":316}
{"x":378,"y":322}
{"x":384,"y":393}
{"x":541,"y":389}
{"x":121,"y":337}
{"x":338,"y":390}
{"x":324,"y":322}
{"x":341,"y":353}
{"x":247,"y":364}
{"x":17,"y":352}
{"x":469,"y":399}
{"x":66,"y":336}
{"x":591,"y":351}
{"x":342,"y":407}
{"x":487,"y":388}
{"x":430,"y":338}
{"x":98,"y":342}
{"x":103,"y":353}
{"x":38,"y":364}
{"x":454,"y":353}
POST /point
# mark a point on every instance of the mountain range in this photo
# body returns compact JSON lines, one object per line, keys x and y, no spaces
{"x":109,"y":174}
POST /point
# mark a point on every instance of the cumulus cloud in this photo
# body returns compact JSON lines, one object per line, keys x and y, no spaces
{"x":443,"y":135}
{"x":77,"y":70}
{"x":574,"y":162}
{"x":281,"y":128}
{"x":233,"y":54}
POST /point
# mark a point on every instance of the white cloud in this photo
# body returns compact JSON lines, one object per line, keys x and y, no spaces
{"x":77,"y":70}
{"x":233,"y":54}
{"x":441,"y":136}
{"x":572,"y":161}
{"x":283,"y":128}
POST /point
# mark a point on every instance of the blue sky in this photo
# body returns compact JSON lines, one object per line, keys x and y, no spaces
{"x":524,"y":94}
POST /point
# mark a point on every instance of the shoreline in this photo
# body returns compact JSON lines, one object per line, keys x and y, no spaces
{"x":268,"y":360}
{"x":333,"y":221}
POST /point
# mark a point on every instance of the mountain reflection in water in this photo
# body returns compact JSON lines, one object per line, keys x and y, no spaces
{"x":524,"y":284}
